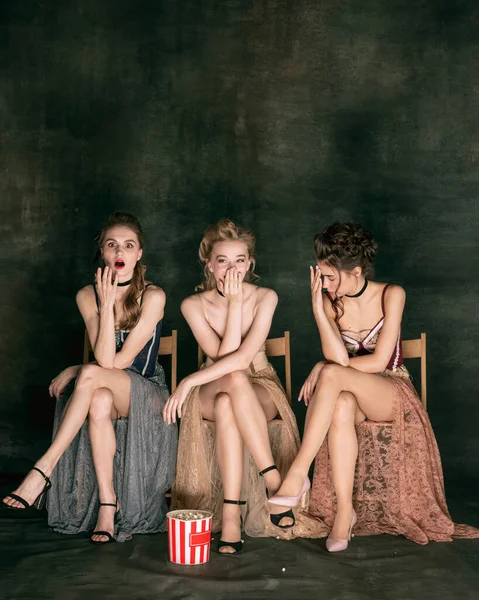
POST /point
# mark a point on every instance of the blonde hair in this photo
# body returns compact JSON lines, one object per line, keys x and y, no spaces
{"x":224,"y":231}
{"x":132,"y":311}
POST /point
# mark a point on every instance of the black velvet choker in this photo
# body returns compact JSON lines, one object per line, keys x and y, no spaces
{"x":361,"y":291}
{"x":125,"y":283}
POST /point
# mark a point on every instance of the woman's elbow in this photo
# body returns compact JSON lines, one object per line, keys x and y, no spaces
{"x":105,"y":364}
{"x":121,"y":363}
{"x":342,"y":359}
{"x":380,"y":366}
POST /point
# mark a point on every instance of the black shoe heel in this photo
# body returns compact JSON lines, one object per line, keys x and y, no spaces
{"x":237,"y":546}
{"x":275,"y":519}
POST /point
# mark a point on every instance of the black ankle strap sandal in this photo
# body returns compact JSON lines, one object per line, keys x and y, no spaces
{"x":39,"y":502}
{"x":237,"y":546}
{"x":276,"y":519}
{"x":107,"y":534}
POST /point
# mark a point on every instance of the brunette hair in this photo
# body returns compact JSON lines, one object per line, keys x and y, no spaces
{"x":132,"y":310}
{"x":224,"y":231}
{"x":344,"y":246}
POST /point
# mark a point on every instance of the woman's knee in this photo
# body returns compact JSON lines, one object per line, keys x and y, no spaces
{"x":345,"y":409}
{"x":330,"y":374}
{"x":101,"y":404}
{"x":222,"y":405}
{"x":235,"y":379}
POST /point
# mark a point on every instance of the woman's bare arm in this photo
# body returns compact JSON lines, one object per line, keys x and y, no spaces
{"x":241,"y":358}
{"x":152,"y":311}
{"x":331,"y":342}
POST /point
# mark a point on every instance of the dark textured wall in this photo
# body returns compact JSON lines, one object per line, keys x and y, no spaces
{"x":281,"y":115}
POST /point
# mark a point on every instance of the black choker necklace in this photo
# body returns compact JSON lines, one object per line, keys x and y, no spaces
{"x":124,"y":283}
{"x":361,"y":291}
{"x":220,"y":293}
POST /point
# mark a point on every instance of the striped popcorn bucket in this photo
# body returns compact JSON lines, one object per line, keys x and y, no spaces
{"x":189,"y":538}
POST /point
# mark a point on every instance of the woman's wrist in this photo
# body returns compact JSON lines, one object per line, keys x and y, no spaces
{"x":106,"y":309}
{"x":188,"y":381}
{"x":234,"y":303}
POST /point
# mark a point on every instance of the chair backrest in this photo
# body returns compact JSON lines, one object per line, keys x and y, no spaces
{"x":417,"y":349}
{"x":168,"y":346}
{"x":274,"y":347}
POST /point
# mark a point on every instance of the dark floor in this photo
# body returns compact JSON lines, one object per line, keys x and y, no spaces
{"x":39,"y":563}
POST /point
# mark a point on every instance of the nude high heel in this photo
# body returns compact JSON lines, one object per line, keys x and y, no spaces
{"x":340,"y":545}
{"x":291,"y":501}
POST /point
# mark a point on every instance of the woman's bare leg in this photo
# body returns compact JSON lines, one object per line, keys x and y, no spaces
{"x":103,"y":445}
{"x":252,"y":408}
{"x":374,"y":396}
{"x":229,"y":452}
{"x":90,"y":379}
{"x":343,"y":453}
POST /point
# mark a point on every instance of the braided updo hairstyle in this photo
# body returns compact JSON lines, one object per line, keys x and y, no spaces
{"x":224,"y":231}
{"x":345,"y":246}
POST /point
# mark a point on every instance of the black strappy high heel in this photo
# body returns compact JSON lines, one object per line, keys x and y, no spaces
{"x":237,"y":546}
{"x":39,"y":502}
{"x":107,"y":534}
{"x":276,"y":519}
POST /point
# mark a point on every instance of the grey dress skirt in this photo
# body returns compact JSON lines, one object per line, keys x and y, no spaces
{"x":144,"y":462}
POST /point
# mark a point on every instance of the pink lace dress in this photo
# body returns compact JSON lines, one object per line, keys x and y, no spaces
{"x":399,"y":485}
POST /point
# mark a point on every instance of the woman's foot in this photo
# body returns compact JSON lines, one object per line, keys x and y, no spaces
{"x":231,"y":527}
{"x":342,"y":523}
{"x":30,"y":488}
{"x":105,"y":522}
{"x":273,"y":482}
{"x":292,"y":484}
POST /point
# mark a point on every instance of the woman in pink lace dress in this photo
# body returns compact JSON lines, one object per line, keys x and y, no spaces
{"x":380,"y":470}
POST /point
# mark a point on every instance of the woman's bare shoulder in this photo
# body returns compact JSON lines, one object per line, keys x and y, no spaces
{"x":193,"y":302}
{"x":266,"y":294}
{"x":85,"y":293}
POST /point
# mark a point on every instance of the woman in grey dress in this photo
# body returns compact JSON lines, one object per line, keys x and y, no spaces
{"x":113,"y":456}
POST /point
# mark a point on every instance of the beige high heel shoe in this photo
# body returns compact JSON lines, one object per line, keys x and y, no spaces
{"x":340,"y":545}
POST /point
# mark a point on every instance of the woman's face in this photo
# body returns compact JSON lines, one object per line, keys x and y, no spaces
{"x":348,"y":284}
{"x":121,"y":250}
{"x":229,"y":255}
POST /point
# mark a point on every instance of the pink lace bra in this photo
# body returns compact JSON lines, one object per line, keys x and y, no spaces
{"x":357,"y":345}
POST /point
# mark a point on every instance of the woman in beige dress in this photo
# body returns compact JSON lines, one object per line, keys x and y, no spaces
{"x":238,"y":390}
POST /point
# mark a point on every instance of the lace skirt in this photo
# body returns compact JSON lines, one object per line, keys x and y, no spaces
{"x":399,"y":485}
{"x":198,"y":482}
{"x":144,"y":466}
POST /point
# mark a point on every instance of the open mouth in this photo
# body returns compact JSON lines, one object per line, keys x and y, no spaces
{"x":119,"y":264}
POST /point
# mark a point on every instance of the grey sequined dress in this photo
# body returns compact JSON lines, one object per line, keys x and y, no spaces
{"x":144,"y":463}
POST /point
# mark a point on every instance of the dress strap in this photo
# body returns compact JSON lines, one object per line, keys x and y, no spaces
{"x":97,"y":300}
{"x":382,"y":297}
{"x":146,"y":287}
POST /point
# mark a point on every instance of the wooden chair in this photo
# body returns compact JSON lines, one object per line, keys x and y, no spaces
{"x":274,"y":347}
{"x":417,"y":349}
{"x":168,"y":346}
